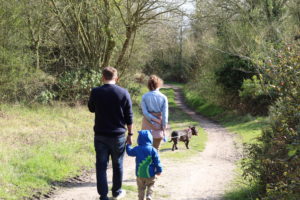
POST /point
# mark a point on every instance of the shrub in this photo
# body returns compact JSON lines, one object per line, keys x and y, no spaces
{"x":256,"y":96}
{"x":76,"y":85}
{"x":275,"y":161}
{"x":232,"y":74}
{"x":19,"y":82}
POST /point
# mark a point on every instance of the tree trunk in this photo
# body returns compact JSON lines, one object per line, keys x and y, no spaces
{"x":129,"y":32}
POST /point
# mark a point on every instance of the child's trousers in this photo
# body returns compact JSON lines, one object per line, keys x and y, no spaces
{"x":145,"y":184}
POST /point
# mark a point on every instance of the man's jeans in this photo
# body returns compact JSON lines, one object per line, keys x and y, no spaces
{"x":105,"y":147}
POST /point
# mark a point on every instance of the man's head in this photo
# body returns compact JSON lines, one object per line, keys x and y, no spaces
{"x":109,"y":74}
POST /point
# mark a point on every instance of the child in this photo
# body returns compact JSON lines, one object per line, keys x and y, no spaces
{"x":147,"y":163}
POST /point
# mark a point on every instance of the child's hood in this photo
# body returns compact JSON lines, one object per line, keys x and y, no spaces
{"x":145,"y":137}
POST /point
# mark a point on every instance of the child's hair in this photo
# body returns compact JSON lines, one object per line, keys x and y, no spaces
{"x":154,"y":82}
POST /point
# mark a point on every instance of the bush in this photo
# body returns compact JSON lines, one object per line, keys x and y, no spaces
{"x":256,"y":96}
{"x":19,"y":82}
{"x":275,"y":161}
{"x":76,"y":85}
{"x":232,"y":74}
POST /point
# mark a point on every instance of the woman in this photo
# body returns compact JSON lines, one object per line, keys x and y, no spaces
{"x":155,"y":110}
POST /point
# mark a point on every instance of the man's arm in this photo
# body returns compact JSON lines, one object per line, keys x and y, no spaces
{"x":91,"y":103}
{"x":128,"y":114}
{"x":129,"y":136}
{"x":128,"y":117}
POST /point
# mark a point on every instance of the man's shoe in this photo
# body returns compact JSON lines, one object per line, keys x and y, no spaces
{"x":103,"y":198}
{"x":148,"y":197}
{"x":121,"y":195}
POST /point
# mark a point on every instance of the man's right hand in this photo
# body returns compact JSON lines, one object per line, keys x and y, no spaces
{"x":129,"y":139}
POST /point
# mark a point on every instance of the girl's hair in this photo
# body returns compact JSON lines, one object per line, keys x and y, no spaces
{"x":154,"y":82}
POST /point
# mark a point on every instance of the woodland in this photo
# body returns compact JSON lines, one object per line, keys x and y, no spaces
{"x":242,"y":55}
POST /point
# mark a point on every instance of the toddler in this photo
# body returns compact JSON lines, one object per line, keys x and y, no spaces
{"x":147,"y":163}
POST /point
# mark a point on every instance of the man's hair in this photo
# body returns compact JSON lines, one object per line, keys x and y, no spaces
{"x":109,"y":73}
{"x":154,"y":82}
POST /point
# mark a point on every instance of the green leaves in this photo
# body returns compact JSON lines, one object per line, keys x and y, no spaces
{"x":276,"y":160}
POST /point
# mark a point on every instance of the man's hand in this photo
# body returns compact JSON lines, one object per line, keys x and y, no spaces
{"x":158,"y":174}
{"x":129,"y":139}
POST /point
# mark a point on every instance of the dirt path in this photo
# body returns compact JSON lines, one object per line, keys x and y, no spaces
{"x":203,"y":177}
{"x":206,"y":176}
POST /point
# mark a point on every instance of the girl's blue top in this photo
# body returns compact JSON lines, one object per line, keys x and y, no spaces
{"x":155,"y":101}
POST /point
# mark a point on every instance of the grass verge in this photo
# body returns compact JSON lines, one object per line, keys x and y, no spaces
{"x":247,"y":127}
{"x":42,"y":144}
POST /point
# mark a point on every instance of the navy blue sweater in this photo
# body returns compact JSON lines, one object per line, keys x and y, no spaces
{"x":113,"y":110}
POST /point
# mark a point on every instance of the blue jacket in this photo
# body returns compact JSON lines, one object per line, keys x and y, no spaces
{"x":147,"y":159}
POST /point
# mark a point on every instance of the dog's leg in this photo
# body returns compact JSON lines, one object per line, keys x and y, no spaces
{"x":173,"y":145}
{"x":187,"y":144}
{"x":176,"y":144}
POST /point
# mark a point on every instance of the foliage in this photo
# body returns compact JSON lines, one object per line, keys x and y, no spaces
{"x":67,"y":41}
{"x":231,"y":42}
{"x":76,"y":85}
{"x":256,"y":96}
{"x":251,"y":88}
{"x":274,"y":162}
{"x":233,"y":72}
{"x":19,"y":82}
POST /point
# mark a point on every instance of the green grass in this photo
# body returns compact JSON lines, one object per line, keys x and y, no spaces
{"x":241,"y":189}
{"x":247,"y":127}
{"x":42,"y":144}
{"x":200,"y":105}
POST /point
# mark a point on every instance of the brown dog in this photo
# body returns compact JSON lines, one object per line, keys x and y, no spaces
{"x":184,"y":136}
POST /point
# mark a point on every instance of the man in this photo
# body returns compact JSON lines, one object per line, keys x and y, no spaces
{"x":113,"y":111}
